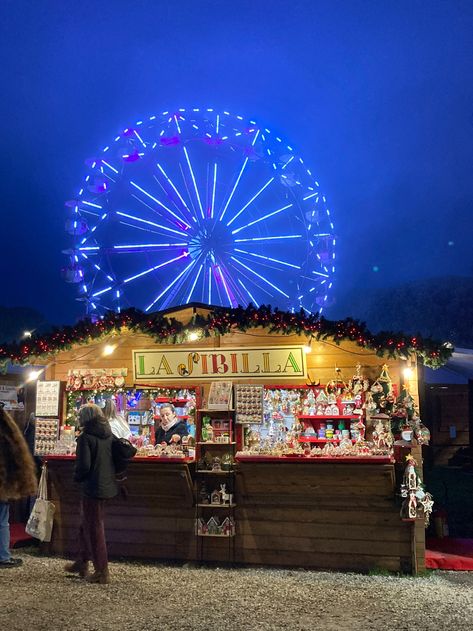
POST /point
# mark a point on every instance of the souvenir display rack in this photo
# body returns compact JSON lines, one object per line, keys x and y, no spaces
{"x":215,"y":479}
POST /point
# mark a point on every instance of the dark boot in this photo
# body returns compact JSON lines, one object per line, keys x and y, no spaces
{"x":99,"y":576}
{"x":78,"y":567}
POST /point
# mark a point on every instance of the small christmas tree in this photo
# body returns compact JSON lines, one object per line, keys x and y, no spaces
{"x":417,"y":501}
{"x":381,"y":391}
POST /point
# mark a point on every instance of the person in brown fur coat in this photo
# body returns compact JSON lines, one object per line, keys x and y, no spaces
{"x":17,"y":479}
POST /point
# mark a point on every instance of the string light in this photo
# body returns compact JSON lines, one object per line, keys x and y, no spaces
{"x":221,"y":321}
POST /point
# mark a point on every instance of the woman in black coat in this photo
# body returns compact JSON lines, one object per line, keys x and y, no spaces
{"x":96,"y":474}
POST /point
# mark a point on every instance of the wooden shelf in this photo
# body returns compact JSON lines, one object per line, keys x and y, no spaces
{"x":207,"y":411}
{"x":210,"y":472}
{"x":216,"y":505}
{"x":220,"y":536}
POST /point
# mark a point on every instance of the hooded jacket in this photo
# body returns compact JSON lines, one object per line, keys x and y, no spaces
{"x":17,"y":469}
{"x":94,"y":463}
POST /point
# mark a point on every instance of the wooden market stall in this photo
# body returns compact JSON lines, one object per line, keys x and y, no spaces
{"x":334,"y":513}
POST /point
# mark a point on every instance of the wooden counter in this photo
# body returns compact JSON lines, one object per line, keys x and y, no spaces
{"x":155,"y":521}
{"x":328,"y":515}
{"x":331,"y":515}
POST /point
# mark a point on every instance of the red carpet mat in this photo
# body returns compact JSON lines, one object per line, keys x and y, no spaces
{"x":449,"y":554}
{"x":18,"y":536}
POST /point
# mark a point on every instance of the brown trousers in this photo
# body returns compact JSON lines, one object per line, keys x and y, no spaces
{"x":92,"y":544}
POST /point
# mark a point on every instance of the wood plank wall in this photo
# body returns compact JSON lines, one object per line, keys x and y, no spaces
{"x":155,"y":521}
{"x":313,"y":515}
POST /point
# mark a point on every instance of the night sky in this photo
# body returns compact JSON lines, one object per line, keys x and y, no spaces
{"x":377,"y":96}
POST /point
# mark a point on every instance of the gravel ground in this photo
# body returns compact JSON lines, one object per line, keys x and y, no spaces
{"x":40,"y":596}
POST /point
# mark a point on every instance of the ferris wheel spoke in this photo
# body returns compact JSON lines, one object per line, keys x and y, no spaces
{"x":288,"y":236}
{"x":150,"y":223}
{"x":253,"y":299}
{"x":155,"y":267}
{"x":223,"y":272}
{"x":224,"y":283}
{"x":268,"y":258}
{"x":288,"y":162}
{"x":251,"y":279}
{"x":194,"y":283}
{"x":112,"y":168}
{"x":166,"y":289}
{"x":214,"y":185}
{"x":251,"y":200}
{"x":194,"y":182}
{"x":260,"y":276}
{"x":173,"y":186}
{"x":101,"y":291}
{"x":142,"y":190}
{"x":245,"y":162}
{"x":153,"y":210}
{"x":179,"y":289}
{"x":252,"y":223}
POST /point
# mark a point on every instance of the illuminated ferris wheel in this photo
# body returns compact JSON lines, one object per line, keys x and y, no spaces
{"x":199,"y":206}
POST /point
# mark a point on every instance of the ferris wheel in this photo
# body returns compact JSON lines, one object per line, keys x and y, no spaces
{"x":196,"y":205}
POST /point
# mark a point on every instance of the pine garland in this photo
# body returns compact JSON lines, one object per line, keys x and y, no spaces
{"x":220,"y":321}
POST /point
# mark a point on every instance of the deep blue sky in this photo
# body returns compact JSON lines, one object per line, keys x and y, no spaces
{"x":377,"y":96}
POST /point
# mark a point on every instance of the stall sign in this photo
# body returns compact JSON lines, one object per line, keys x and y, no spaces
{"x":9,"y":397}
{"x":96,"y":378}
{"x":8,"y":393}
{"x":47,"y":398}
{"x":224,"y":363}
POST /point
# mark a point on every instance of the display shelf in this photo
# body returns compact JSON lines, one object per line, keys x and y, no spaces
{"x":216,"y":505}
{"x":210,"y":472}
{"x":207,"y":411}
{"x":325,"y":417}
{"x":314,"y":439}
{"x":219,"y":536}
{"x":315,"y":459}
{"x":215,"y":444}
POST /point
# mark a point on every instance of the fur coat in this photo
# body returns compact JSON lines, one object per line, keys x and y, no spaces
{"x":17,"y":468}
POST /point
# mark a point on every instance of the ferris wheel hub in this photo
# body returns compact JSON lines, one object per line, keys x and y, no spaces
{"x":211,"y":239}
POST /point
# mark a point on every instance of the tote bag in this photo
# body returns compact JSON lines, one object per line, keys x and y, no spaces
{"x":40,"y":523}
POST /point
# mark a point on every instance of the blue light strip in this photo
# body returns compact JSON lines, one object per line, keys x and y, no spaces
{"x":252,"y":223}
{"x":210,"y":285}
{"x":110,"y":167}
{"x":151,"y":269}
{"x":180,"y":219}
{"x":259,"y":276}
{"x":225,"y":286}
{"x":268,"y":258}
{"x":139,"y":138}
{"x":194,"y":182}
{"x":82,"y":201}
{"x":169,"y":286}
{"x":238,"y":178}
{"x":251,"y":200}
{"x":102,"y":291}
{"x":172,"y":184}
{"x":194,"y":283}
{"x":286,"y":163}
{"x":289,"y":236}
{"x":151,"y":223}
{"x":150,"y":245}
{"x":213,"y":191}
{"x":249,"y":293}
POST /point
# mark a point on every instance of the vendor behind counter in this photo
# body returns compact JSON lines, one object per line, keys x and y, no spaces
{"x":169,"y":425}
